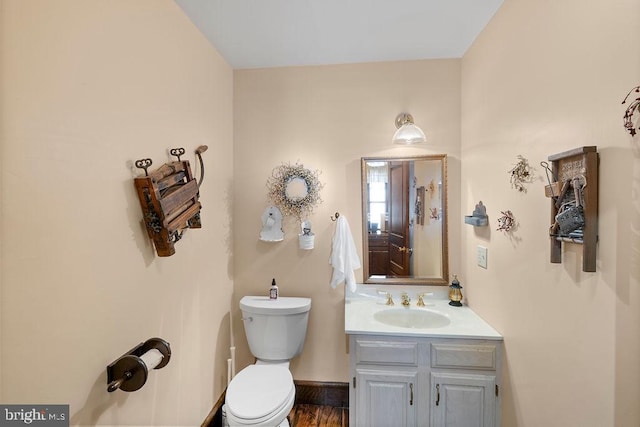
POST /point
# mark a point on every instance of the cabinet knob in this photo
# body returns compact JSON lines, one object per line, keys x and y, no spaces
{"x":437,"y":394}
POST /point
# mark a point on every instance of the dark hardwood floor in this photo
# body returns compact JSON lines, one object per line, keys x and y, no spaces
{"x":306,"y":415}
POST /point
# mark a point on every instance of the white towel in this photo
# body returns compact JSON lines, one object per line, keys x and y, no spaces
{"x":344,"y":258}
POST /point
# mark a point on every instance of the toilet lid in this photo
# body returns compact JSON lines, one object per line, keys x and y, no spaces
{"x":259,"y":390}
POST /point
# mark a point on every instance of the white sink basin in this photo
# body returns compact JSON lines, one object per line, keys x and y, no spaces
{"x":412,"y":318}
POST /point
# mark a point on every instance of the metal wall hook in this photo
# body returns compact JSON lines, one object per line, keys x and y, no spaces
{"x":177,"y":152}
{"x":144,"y":164}
{"x":201,"y":149}
{"x":335,"y":217}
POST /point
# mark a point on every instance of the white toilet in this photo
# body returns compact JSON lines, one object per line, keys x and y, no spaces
{"x":263,"y":394}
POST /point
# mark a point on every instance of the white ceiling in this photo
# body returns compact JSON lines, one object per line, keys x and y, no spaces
{"x":276,"y":33}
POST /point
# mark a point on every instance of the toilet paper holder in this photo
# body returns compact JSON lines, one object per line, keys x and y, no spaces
{"x":129,"y":372}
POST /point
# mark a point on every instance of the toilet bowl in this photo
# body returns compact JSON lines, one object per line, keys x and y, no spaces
{"x":263,"y":394}
{"x":260,"y":395}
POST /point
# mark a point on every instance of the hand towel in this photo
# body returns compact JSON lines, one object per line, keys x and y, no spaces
{"x":344,"y":258}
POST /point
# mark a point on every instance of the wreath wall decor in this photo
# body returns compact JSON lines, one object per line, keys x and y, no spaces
{"x":282,"y":177}
{"x":521,"y":174}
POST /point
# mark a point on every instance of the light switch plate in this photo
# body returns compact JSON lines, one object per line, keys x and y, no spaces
{"x":482,"y":256}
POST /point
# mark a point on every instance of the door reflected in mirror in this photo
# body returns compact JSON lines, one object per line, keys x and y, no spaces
{"x":404,"y":205}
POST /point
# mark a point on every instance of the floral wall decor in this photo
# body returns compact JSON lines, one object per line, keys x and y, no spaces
{"x":294,"y":189}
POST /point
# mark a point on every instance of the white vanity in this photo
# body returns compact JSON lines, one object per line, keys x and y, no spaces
{"x":435,"y":365}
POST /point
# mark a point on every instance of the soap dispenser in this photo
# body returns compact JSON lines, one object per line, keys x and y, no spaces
{"x":273,"y":292}
{"x":455,"y":294}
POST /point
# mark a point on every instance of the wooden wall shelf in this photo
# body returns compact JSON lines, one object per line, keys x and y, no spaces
{"x":578,"y":168}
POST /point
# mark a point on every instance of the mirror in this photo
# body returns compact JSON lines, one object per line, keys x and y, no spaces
{"x":404,"y":207}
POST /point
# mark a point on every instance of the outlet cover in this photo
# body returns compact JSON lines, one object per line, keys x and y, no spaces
{"x":482,"y":256}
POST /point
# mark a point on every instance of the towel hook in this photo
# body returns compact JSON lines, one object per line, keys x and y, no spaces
{"x":335,"y":217}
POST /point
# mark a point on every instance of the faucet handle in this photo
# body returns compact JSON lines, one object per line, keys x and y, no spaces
{"x":405,"y":299}
{"x":388,"y":296}
{"x":420,"y":302}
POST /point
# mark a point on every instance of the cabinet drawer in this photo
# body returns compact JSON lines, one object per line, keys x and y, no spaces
{"x":387,"y":352}
{"x":378,"y":241}
{"x":469,"y":356}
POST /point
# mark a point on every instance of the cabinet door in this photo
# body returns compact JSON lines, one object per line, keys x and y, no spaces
{"x":386,"y":398}
{"x":463,"y":400}
{"x":379,"y":261}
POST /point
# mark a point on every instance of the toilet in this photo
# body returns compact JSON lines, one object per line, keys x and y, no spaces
{"x":262,"y":394}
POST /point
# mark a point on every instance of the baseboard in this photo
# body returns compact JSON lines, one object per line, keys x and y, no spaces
{"x":322,"y":393}
{"x":214,"y":419}
{"x":307,"y":393}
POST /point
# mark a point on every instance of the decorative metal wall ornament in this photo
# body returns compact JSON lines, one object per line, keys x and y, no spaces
{"x":633,"y":107}
{"x":298,"y":202}
{"x":506,"y":222}
{"x":521,"y":174}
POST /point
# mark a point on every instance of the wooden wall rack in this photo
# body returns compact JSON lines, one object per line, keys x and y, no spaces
{"x":576,"y":172}
{"x":169,"y":200}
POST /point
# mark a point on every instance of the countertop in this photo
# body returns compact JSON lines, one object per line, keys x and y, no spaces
{"x":360,"y":307}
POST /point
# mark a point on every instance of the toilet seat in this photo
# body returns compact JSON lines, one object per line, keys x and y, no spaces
{"x":260,"y":394}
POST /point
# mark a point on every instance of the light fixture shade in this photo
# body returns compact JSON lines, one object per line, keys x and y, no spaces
{"x":407,"y":132}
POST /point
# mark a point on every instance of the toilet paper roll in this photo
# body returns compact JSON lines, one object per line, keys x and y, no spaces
{"x":151,"y":358}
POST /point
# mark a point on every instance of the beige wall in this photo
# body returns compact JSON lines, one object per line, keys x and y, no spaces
{"x":87,"y":88}
{"x":542,"y":78}
{"x":327,"y":118}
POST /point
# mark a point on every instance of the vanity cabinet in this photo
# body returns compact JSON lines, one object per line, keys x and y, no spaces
{"x":463,"y":399}
{"x":388,"y":395}
{"x":417,"y":381}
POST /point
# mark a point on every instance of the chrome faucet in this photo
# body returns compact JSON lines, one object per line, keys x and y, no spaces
{"x":405,"y":299}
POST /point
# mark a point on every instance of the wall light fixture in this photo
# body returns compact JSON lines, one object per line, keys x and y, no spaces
{"x":407,"y":133}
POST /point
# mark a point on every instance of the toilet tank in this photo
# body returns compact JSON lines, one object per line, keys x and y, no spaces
{"x":275,"y":328}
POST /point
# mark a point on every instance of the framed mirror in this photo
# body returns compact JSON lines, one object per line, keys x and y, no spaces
{"x":404,"y":217}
